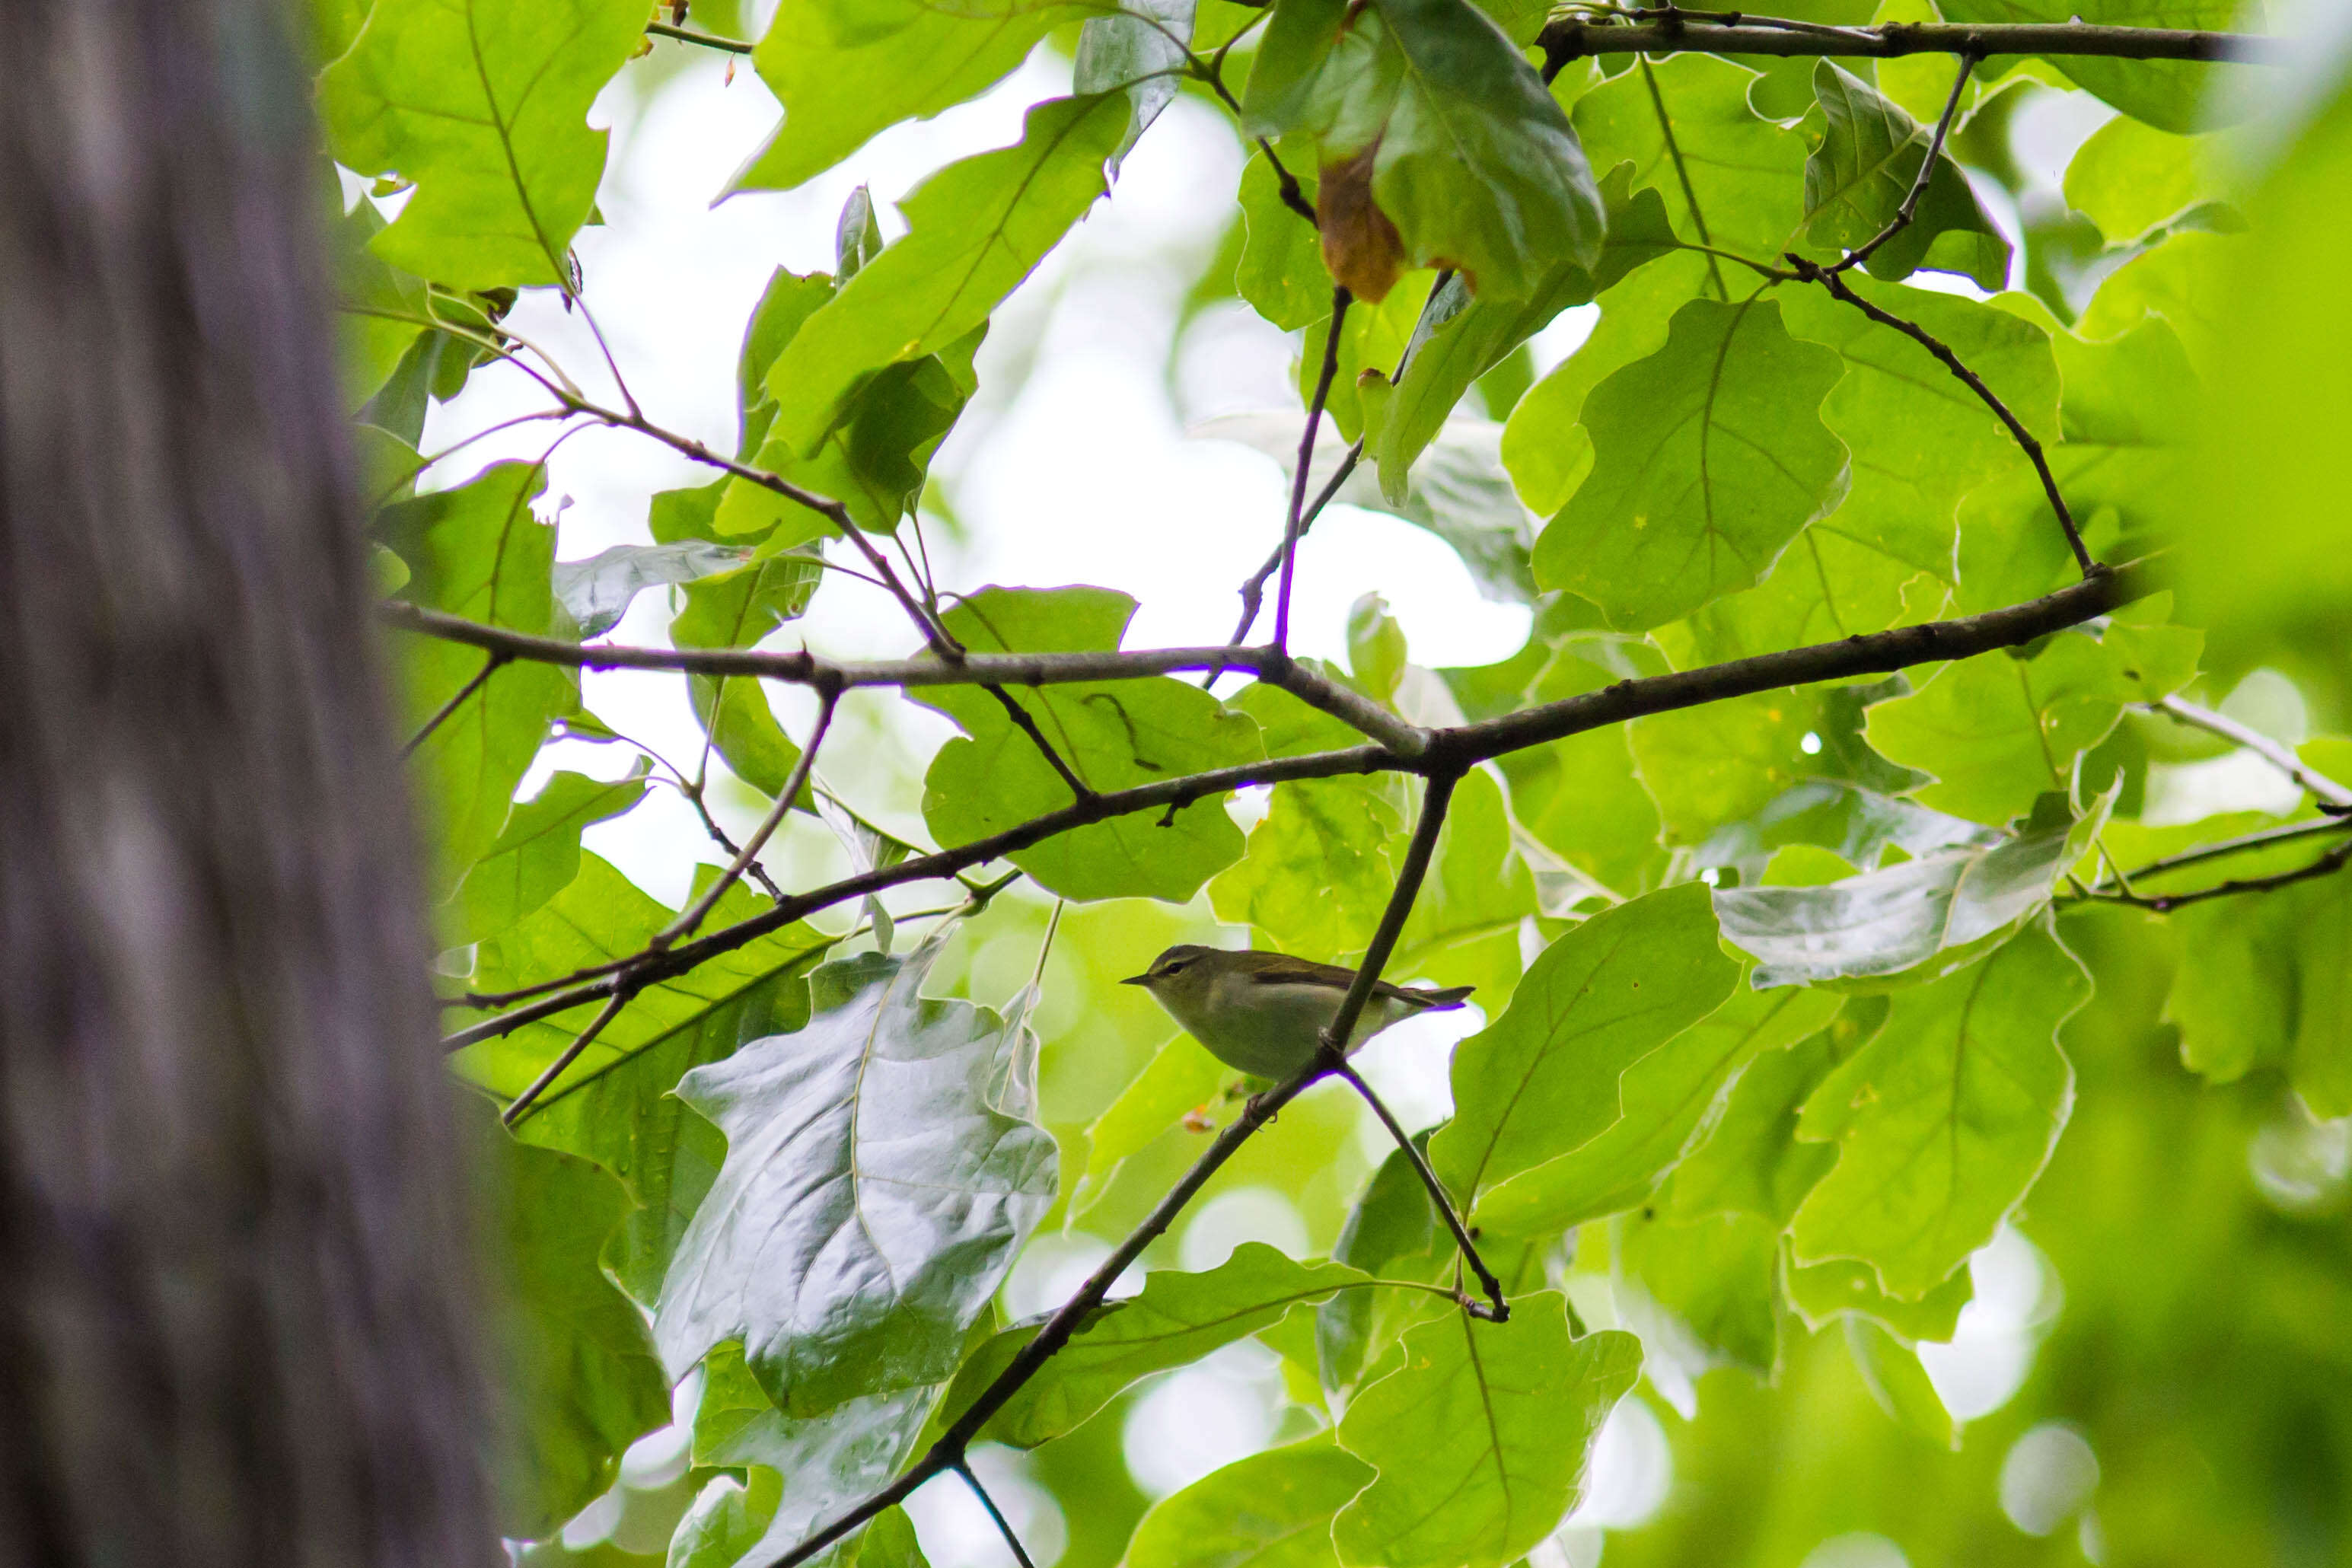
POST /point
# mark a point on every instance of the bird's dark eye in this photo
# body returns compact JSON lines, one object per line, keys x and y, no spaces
{"x":1175,"y":967}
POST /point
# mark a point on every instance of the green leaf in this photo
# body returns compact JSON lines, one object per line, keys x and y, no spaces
{"x":1709,"y":457}
{"x":1465,"y":927}
{"x":1751,"y":1161}
{"x":538,"y":853}
{"x":1866,"y":157}
{"x":1713,"y":1276}
{"x":485,"y":107}
{"x":1920,"y":442}
{"x":1858,"y":825}
{"x":1321,"y":867}
{"x":595,"y":592}
{"x":2130,"y":178}
{"x":1938,"y":910}
{"x":1999,"y":732}
{"x":726,"y":1520}
{"x":2171,"y":95}
{"x":976,"y":227}
{"x":1891,"y":1371}
{"x":477,"y":552}
{"x":1113,"y":734}
{"x":734,"y":713}
{"x":614,"y":1105}
{"x":1547,"y":449}
{"x":1281,"y":270}
{"x":579,"y":1364}
{"x":845,"y":69}
{"x":1175,"y":1320}
{"x":2261,"y":983}
{"x":1391,"y":1232}
{"x":1269,"y":1510}
{"x":872,"y":1197}
{"x":1543,"y":1079}
{"x":828,"y":1462}
{"x":1729,"y":178}
{"x":1436,"y":144}
{"x":1180,"y":1078}
{"x":1479,"y":1437}
{"x":1139,"y":51}
{"x":1727,"y":761}
{"x":1943,"y":1120}
{"x":1479,"y":333}
{"x":1672,"y":1097}
{"x":1827,"y":1291}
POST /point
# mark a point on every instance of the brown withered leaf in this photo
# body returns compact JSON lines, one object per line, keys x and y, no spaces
{"x":1361,"y":247}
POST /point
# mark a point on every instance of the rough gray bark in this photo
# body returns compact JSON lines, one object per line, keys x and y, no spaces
{"x":235,"y":1322}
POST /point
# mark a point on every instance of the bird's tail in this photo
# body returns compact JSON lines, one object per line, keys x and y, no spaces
{"x":1438,"y":1001}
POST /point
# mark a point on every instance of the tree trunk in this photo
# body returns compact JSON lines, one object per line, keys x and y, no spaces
{"x":235,"y":1318}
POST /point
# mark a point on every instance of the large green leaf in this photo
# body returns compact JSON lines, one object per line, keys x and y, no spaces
{"x":1866,"y":157}
{"x":477,"y":552}
{"x":1715,"y":1278}
{"x":1938,"y":910}
{"x":827,"y":1462}
{"x":538,"y":853}
{"x":1112,"y":735}
{"x":614,"y":1105}
{"x":2261,"y":983}
{"x":1436,"y":145}
{"x":1709,"y":457}
{"x":2168,"y":94}
{"x":1175,"y":1320}
{"x":1859,"y":827}
{"x":1751,"y":1160}
{"x":2130,"y":178}
{"x":1182,"y":1077}
{"x":873,"y":1195}
{"x":975,"y":229}
{"x":1730,"y":178}
{"x":845,"y":69}
{"x":1999,"y":732}
{"x":1475,"y":334}
{"x":1479,"y":1437}
{"x":1392,"y":1231}
{"x":578,"y":1363}
{"x":1543,"y":1079}
{"x":1671,"y":1099}
{"x":1945,"y":1117}
{"x":1269,"y":1510}
{"x":484,"y":106}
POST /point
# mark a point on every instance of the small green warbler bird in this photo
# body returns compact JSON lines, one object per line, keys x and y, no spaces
{"x":1264,"y":1013}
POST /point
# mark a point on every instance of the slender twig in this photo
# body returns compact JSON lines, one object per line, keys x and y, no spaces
{"x":948,"y":1451}
{"x":1903,"y":213}
{"x":1571,"y":37}
{"x":696,"y":791}
{"x":1027,"y":725}
{"x":698,"y":911}
{"x":1836,"y":285}
{"x":2328,"y":865}
{"x":1253,"y":589}
{"x":520,"y":1105}
{"x":1454,"y":748}
{"x":962,"y":1467}
{"x":456,"y":700}
{"x":2244,"y":843}
{"x":1500,"y":1308}
{"x":1341,"y":299}
{"x":2333,"y":797}
{"x":702,"y":40}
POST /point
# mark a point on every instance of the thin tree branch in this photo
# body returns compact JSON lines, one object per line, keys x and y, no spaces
{"x":1252,"y":590}
{"x":456,"y":700}
{"x":1340,"y":300}
{"x":1571,"y":37}
{"x":803,"y":668}
{"x":2328,"y":865}
{"x":1027,"y":725}
{"x":700,"y":40}
{"x":948,"y":1451}
{"x":1500,"y":1310}
{"x":1836,"y":285}
{"x":2244,"y":843}
{"x":1448,"y":750}
{"x":520,"y":1105}
{"x":697,"y":912}
{"x":962,"y":1467}
{"x":1903,"y":213}
{"x":2333,"y":797}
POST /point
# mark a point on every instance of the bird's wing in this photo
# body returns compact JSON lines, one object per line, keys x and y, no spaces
{"x":1281,"y":969}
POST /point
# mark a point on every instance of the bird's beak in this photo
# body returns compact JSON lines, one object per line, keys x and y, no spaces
{"x":1137,"y":980}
